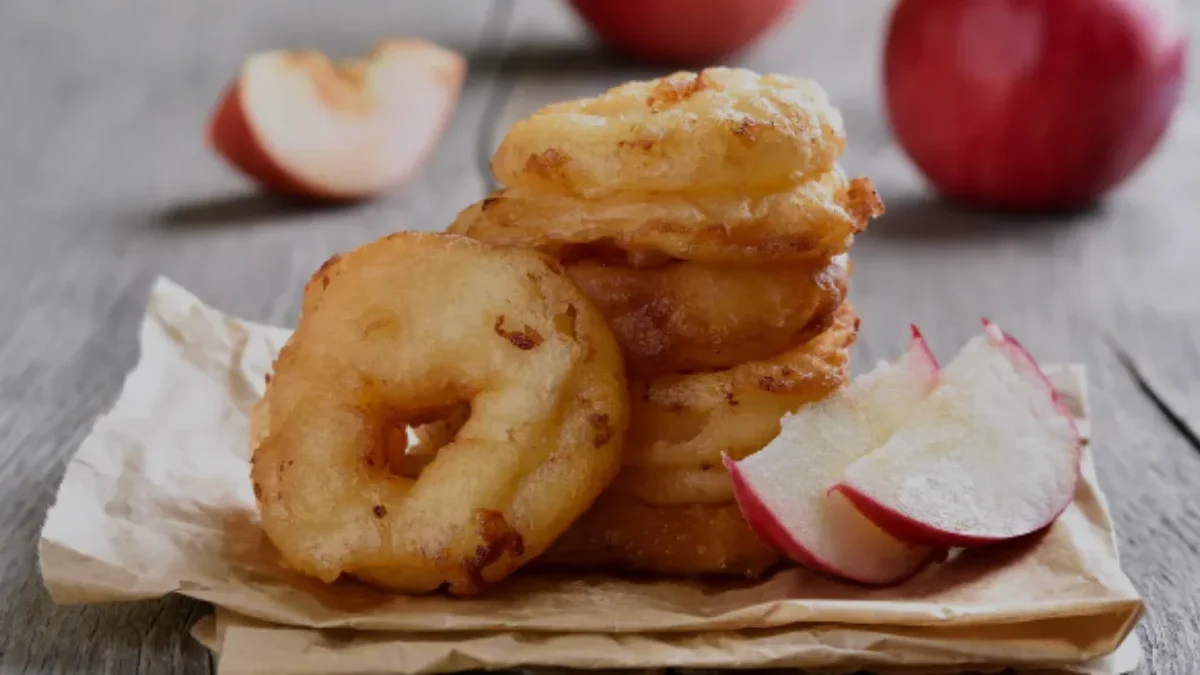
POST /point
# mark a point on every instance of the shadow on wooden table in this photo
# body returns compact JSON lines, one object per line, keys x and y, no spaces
{"x":550,"y":57}
{"x":928,"y":219}
{"x":240,"y":209}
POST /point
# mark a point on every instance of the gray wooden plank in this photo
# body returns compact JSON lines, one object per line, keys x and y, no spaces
{"x":1062,"y":285}
{"x":105,"y":182}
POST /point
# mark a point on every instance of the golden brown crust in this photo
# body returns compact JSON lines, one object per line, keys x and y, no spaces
{"x":623,"y":534}
{"x":692,"y":317}
{"x":804,"y":223}
{"x":375,"y":352}
{"x":675,"y":485}
{"x":690,"y":420}
{"x":717,"y":129}
{"x":671,"y":509}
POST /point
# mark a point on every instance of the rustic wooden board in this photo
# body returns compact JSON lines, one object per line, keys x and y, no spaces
{"x":104,"y":182}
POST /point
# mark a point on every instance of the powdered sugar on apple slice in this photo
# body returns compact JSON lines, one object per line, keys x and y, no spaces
{"x":783,"y":490}
{"x":991,"y":454}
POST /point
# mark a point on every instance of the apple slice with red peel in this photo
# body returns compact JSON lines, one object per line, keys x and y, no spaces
{"x":990,"y":455}
{"x":783,"y":489}
{"x":301,"y":124}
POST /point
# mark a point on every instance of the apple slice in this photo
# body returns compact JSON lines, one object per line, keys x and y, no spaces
{"x":783,"y":489}
{"x":301,"y":124}
{"x":990,"y":455}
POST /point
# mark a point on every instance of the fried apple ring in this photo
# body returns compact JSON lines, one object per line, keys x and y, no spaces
{"x":688,"y":421}
{"x":688,"y":317}
{"x":669,"y":511}
{"x":673,"y":485}
{"x":717,"y":129}
{"x":805,"y":223}
{"x":620,"y":533}
{"x":409,"y":329}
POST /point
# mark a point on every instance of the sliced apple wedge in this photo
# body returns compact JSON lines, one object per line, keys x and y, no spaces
{"x":301,"y":124}
{"x":990,"y":455}
{"x":783,"y":489}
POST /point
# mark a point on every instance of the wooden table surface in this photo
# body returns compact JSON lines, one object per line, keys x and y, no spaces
{"x":105,"y":182}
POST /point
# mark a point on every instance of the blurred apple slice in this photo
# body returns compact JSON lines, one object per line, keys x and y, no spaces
{"x":783,"y":489}
{"x":990,"y":455}
{"x":301,"y":124}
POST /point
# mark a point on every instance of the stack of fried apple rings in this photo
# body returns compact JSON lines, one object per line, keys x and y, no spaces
{"x":705,"y":216}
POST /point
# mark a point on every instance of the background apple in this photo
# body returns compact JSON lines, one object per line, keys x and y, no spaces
{"x":681,"y":31}
{"x":301,"y":124}
{"x":1032,"y":104}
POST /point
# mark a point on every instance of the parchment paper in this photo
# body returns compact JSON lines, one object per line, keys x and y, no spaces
{"x":158,"y":500}
{"x":245,"y":646}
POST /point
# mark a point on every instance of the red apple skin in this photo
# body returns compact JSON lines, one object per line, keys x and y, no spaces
{"x":905,"y":528}
{"x":759,"y":517}
{"x":1036,"y":105}
{"x":230,"y":134}
{"x":768,"y":529}
{"x":900,"y":526}
{"x":681,"y":31}
{"x":919,"y":344}
{"x":1021,"y":356}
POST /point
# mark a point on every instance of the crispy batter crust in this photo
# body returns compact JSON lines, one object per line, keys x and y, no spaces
{"x":405,"y":331}
{"x":802,"y":223}
{"x":688,"y":421}
{"x":624,"y":534}
{"x":671,"y":509}
{"x":693,"y":317}
{"x":717,"y":129}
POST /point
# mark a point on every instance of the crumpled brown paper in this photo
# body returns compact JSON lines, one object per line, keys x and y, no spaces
{"x":157,"y":500}
{"x":244,"y":646}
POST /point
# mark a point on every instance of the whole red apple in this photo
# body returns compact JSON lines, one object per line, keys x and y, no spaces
{"x":1032,"y":104}
{"x":681,"y":31}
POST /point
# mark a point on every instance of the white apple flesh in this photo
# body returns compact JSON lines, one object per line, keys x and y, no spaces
{"x":991,"y":454}
{"x":301,"y":124}
{"x":783,"y":489}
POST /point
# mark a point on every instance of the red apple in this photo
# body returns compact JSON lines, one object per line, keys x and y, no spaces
{"x":300,"y":124}
{"x":681,"y":31}
{"x":1032,"y":104}
{"x":991,"y":454}
{"x":783,"y":489}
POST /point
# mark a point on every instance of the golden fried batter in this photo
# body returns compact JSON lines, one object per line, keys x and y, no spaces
{"x":674,"y":485}
{"x":719,"y":129}
{"x":404,"y":331}
{"x":688,"y":421}
{"x":619,"y":533}
{"x":691,"y":317}
{"x":671,"y":509}
{"x":805,"y":223}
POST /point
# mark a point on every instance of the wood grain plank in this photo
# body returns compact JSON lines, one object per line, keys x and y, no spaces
{"x":105,"y":183}
{"x":1063,"y":285}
